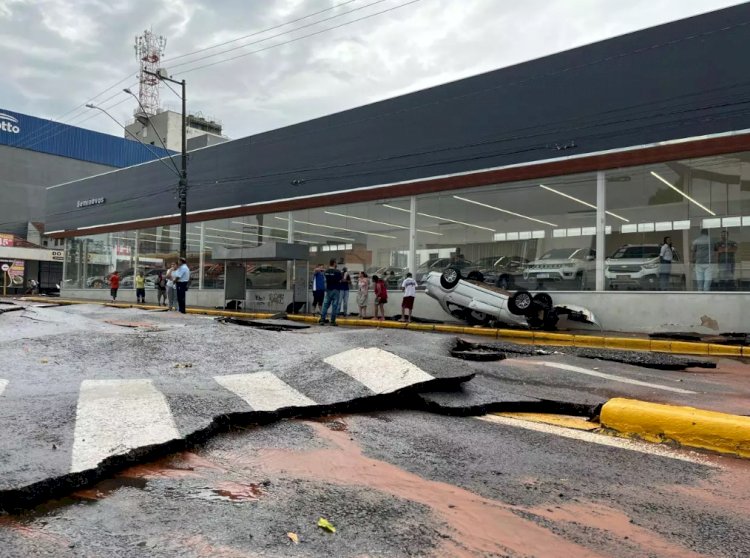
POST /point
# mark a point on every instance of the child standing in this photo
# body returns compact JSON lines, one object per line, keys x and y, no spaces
{"x":114,"y":284}
{"x":381,"y":297}
{"x":409,"y":286}
{"x":140,"y":288}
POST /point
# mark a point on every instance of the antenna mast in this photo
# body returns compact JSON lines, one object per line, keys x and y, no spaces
{"x":149,"y":50}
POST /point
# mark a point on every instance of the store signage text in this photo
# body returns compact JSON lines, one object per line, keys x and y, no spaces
{"x":6,"y":240}
{"x":9,"y":124}
{"x":92,"y":201}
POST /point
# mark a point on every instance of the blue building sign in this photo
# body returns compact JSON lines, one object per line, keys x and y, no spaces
{"x":28,"y":132}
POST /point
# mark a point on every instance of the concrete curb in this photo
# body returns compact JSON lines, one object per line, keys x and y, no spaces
{"x":515,"y":335}
{"x":688,"y":426}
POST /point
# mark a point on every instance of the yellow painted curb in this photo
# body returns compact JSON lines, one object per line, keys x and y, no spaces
{"x":724,"y":350}
{"x":588,"y":341}
{"x":627,"y":343}
{"x":687,"y":426}
{"x":516,"y":334}
{"x":687,"y":348}
{"x":565,"y":421}
{"x":746,"y":352}
{"x":661,"y":346}
{"x":556,"y":337}
{"x":449,"y":329}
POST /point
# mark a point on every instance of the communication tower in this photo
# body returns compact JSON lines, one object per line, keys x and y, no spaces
{"x":149,"y":50}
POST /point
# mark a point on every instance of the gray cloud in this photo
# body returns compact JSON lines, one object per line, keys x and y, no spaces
{"x":57,"y":54}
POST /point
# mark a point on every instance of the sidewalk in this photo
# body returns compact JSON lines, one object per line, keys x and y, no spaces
{"x":597,"y":340}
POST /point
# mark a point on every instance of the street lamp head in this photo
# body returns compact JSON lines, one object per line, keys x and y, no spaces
{"x":128,"y":91}
{"x":91,"y":105}
{"x":162,"y":73}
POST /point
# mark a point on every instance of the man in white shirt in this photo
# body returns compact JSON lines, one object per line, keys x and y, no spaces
{"x":181,"y":278}
{"x":409,"y":286}
{"x":666,"y":256}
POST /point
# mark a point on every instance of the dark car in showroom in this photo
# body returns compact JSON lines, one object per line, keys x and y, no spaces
{"x":501,"y":271}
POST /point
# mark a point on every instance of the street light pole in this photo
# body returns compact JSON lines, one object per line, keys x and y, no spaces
{"x":183,"y":179}
{"x":161,"y":74}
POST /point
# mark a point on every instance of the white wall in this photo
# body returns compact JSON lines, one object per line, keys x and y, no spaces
{"x":643,"y":312}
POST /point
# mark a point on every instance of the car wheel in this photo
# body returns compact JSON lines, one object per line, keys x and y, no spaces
{"x":543,"y":301}
{"x":97,"y":284}
{"x":450,"y":277}
{"x":475,"y":276}
{"x":477,"y":318}
{"x":520,"y":303}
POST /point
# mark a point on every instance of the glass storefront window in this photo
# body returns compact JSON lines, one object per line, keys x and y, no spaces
{"x":538,"y":235}
{"x":700,"y":208}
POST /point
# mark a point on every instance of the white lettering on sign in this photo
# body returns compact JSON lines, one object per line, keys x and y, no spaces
{"x":9,"y":124}
{"x":92,"y":201}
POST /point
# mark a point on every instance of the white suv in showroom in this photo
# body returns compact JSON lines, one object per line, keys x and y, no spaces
{"x":570,"y":266}
{"x":637,"y":267}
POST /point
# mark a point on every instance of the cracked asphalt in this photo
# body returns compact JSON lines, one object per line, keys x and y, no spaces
{"x":394,"y":479}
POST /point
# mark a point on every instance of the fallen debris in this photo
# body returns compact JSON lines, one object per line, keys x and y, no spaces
{"x":323,"y":523}
{"x":660,"y":361}
{"x":270,"y":324}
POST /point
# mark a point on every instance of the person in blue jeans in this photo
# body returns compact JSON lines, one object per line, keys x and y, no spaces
{"x":333,"y":285}
{"x":346,"y":280}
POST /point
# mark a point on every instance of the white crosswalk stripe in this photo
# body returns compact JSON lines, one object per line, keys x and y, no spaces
{"x":115,"y":416}
{"x":379,"y":370}
{"x":3,"y":383}
{"x":263,"y":391}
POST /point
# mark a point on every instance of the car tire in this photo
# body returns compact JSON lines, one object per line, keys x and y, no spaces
{"x":543,"y":301}
{"x":450,"y":277}
{"x":520,"y":303}
{"x":97,"y":284}
{"x":475,"y":276}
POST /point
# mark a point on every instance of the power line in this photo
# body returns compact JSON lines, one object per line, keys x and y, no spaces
{"x":314,"y":23}
{"x":255,"y":33}
{"x":300,"y":37}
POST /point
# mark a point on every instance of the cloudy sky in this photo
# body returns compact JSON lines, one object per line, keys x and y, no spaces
{"x":58,"y":55}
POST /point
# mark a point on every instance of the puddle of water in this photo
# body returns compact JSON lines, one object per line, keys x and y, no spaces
{"x":230,"y":492}
{"x":480,"y":525}
{"x":108,"y":486}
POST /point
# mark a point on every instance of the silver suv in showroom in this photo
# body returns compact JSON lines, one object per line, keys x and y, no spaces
{"x":570,"y":267}
{"x":637,"y":267}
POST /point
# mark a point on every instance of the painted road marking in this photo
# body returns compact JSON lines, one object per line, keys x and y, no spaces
{"x":263,"y":391}
{"x":379,"y":370}
{"x":588,"y":372}
{"x":115,"y":416}
{"x":3,"y":383}
{"x":600,"y":439}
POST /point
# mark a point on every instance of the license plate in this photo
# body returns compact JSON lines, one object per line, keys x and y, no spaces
{"x":623,"y":276}
{"x":543,"y":276}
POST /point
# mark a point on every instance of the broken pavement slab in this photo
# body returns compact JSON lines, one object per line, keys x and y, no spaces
{"x":109,"y":396}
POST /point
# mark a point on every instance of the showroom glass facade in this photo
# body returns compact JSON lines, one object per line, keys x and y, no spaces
{"x":538,"y":234}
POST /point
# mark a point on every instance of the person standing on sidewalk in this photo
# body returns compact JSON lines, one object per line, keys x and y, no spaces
{"x":161,"y":290}
{"x":346,"y":281}
{"x":333,"y":292}
{"x":381,"y":297}
{"x":140,"y":288}
{"x":363,"y":286}
{"x":409,"y":286}
{"x":666,"y":256}
{"x":171,"y":290}
{"x":182,"y":278}
{"x":318,"y":288}
{"x":114,"y":284}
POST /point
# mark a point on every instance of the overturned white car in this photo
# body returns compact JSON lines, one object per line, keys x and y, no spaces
{"x":478,"y":303}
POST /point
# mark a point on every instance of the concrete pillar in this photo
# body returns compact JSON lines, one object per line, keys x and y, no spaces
{"x":201,"y":256}
{"x":412,"y":258}
{"x":601,"y":221}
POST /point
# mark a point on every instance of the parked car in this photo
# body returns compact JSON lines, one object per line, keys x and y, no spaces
{"x":393,"y":276}
{"x":636,"y":267}
{"x":479,"y":304}
{"x":439,"y":264}
{"x":127,"y":282}
{"x":572,"y":266}
{"x":501,"y":271}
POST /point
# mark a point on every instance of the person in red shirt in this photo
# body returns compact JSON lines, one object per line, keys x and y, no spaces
{"x":381,"y":297}
{"x":114,"y":284}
